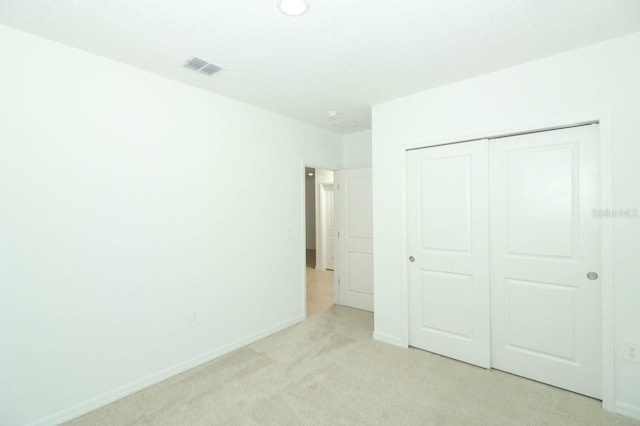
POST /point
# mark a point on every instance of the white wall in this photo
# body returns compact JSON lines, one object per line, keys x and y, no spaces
{"x":356,"y":150}
{"x":602,"y":80}
{"x":128,"y":201}
{"x":310,"y":211}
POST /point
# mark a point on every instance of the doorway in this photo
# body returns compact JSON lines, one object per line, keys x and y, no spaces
{"x":319,"y":206}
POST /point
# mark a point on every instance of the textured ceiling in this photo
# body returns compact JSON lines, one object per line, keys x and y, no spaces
{"x":343,"y":55}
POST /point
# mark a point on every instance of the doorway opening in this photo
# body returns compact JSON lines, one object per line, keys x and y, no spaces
{"x":319,"y":231}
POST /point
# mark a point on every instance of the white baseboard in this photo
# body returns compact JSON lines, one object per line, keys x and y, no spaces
{"x":628,"y":410}
{"x":119,"y":393}
{"x":392,"y":340}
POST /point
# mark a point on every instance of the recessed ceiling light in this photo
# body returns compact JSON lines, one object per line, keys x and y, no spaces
{"x":293,"y":7}
{"x":310,"y":173}
{"x":333,"y":114}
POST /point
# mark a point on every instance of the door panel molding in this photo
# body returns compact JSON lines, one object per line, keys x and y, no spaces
{"x":541,"y":193}
{"x":546,"y":315}
{"x":603,"y":118}
{"x":449,"y":276}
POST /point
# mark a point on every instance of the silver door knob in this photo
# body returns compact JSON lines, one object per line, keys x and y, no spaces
{"x":412,"y":259}
{"x":592,"y":275}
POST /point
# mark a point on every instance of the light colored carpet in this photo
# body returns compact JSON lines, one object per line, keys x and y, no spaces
{"x":328,"y":371}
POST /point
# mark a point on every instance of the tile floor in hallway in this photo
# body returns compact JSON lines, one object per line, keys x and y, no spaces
{"x":319,"y":287}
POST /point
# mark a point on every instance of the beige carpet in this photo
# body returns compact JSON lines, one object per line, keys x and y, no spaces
{"x":328,"y":371}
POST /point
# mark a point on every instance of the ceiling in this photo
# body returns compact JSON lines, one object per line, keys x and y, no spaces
{"x":343,"y":55}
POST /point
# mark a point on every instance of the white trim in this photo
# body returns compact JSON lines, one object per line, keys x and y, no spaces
{"x":123,"y":391}
{"x":317,"y":205}
{"x":303,"y":237}
{"x":320,"y":200}
{"x":392,"y":340}
{"x":405,"y":246}
{"x":337,"y":242}
{"x":322,"y":218}
{"x":628,"y":410}
{"x":603,"y":117}
{"x":606,"y":266}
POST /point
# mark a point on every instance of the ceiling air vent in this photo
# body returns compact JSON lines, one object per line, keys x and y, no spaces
{"x":197,"y":64}
{"x":210,"y":69}
{"x":346,"y":124}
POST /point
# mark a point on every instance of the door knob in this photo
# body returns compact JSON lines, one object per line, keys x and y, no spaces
{"x":412,"y":259}
{"x":592,"y":275}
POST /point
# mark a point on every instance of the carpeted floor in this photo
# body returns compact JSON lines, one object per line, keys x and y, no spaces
{"x":328,"y":371}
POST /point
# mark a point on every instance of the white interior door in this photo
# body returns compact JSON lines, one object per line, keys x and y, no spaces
{"x":355,"y":238}
{"x":544,"y":242}
{"x":448,"y":242}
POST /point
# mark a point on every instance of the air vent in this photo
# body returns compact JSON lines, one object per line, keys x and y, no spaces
{"x":346,"y":124}
{"x":210,"y":69}
{"x":197,"y":64}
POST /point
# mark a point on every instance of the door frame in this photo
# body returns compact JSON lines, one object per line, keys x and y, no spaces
{"x":603,"y":118}
{"x":343,"y":242}
{"x":322,"y":221}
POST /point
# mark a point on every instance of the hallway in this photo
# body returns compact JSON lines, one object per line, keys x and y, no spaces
{"x":319,"y":287}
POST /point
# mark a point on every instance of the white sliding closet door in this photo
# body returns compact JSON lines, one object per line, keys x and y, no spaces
{"x":544,"y":242}
{"x":448,"y":244}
